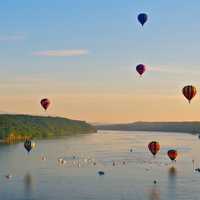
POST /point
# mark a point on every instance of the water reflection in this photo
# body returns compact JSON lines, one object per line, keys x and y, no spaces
{"x":154,"y":193}
{"x":28,"y":183}
{"x":172,"y":175}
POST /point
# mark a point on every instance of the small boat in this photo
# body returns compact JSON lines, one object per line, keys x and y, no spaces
{"x":61,"y":161}
{"x":101,"y":173}
{"x":44,"y":158}
{"x":8,"y":176}
{"x":197,"y":170}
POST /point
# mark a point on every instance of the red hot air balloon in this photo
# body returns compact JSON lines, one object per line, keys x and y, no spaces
{"x":45,"y":103}
{"x":172,"y":154}
{"x":189,"y":92}
{"x":154,"y":147}
{"x":140,"y":69}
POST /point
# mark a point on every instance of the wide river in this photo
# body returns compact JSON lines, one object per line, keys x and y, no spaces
{"x":128,"y":175}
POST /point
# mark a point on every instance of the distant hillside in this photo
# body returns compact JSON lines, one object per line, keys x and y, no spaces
{"x":184,"y":127}
{"x":26,"y":126}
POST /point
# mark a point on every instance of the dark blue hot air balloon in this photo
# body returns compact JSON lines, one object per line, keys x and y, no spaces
{"x":142,"y":18}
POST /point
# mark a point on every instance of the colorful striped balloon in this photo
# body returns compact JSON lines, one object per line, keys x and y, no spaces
{"x":154,"y":147}
{"x":189,"y":92}
{"x":172,"y":154}
{"x":27,"y":145}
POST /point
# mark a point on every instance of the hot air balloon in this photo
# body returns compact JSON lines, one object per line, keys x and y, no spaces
{"x":154,"y":147}
{"x":172,"y":154}
{"x":142,"y":18}
{"x":27,"y":145}
{"x":45,"y":103}
{"x":189,"y":92}
{"x":140,"y":69}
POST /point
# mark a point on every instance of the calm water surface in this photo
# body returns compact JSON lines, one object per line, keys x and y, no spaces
{"x":35,"y":179}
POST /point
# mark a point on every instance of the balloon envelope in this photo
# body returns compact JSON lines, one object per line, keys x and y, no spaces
{"x":142,"y":18}
{"x":189,"y":92}
{"x":140,"y":69}
{"x":45,"y":103}
{"x":172,"y":154}
{"x":154,"y":147}
{"x":27,"y":145}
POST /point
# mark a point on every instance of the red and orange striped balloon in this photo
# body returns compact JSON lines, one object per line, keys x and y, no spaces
{"x":189,"y":92}
{"x":154,"y":147}
{"x":172,"y":154}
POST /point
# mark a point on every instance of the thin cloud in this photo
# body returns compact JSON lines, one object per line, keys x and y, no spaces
{"x":157,"y":69}
{"x":62,"y":53}
{"x":8,"y":38}
{"x":174,"y":71}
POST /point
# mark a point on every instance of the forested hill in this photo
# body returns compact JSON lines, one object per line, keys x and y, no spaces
{"x":184,"y":127}
{"x":27,"y":126}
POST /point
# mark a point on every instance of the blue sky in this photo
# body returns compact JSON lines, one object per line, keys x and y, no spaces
{"x":108,"y":43}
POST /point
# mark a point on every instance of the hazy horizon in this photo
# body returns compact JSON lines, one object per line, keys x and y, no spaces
{"x":82,"y":56}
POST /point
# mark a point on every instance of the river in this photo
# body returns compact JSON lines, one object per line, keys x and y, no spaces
{"x":128,"y":175}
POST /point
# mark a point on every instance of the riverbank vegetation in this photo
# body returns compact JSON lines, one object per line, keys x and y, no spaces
{"x":21,"y":127}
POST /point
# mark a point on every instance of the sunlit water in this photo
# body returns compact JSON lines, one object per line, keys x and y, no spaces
{"x":130,"y":178}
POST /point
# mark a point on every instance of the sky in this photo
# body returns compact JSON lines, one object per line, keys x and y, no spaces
{"x":82,"y":56}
